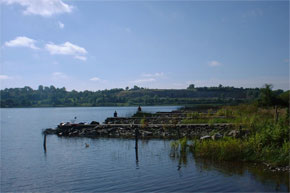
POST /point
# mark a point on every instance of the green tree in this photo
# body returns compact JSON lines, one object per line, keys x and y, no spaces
{"x":190,"y":87}
{"x":267,"y":97}
{"x":284,"y":99}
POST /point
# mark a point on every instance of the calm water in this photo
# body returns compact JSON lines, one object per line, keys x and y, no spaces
{"x":110,"y":164}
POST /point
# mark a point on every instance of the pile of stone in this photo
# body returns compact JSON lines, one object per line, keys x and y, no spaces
{"x":232,"y":133}
{"x":145,"y":131}
{"x":153,"y":120}
{"x":158,"y":125}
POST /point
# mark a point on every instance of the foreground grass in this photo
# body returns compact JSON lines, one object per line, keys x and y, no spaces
{"x":242,"y":150}
{"x":268,"y":139}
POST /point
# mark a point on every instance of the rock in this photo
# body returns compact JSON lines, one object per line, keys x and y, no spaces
{"x":147,"y":133}
{"x":94,"y":123}
{"x":216,"y":136}
{"x":205,"y":137}
{"x":82,"y":133}
{"x":244,"y":133}
{"x":234,"y":133}
{"x":111,"y":130}
{"x":62,"y":124}
{"x":95,"y":128}
{"x":49,"y":131}
{"x":102,"y":132}
{"x":271,"y":168}
{"x":165,"y":134}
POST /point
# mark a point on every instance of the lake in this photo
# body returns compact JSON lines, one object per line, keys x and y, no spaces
{"x":110,"y":165}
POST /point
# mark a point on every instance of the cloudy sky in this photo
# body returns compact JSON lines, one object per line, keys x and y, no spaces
{"x":94,"y":44}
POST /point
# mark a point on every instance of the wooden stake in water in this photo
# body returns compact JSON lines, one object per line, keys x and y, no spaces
{"x":44,"y":142}
{"x":136,"y":143}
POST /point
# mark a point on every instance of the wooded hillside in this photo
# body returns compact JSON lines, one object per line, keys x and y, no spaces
{"x":50,"y":96}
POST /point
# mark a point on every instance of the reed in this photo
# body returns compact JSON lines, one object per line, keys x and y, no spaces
{"x":268,"y":139}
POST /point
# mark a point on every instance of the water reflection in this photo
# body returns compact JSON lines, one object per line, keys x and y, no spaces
{"x":179,"y":151}
{"x":44,"y":143}
{"x":136,"y":147}
{"x":136,"y":154}
{"x":115,"y":158}
{"x":259,"y":172}
{"x":137,"y":159}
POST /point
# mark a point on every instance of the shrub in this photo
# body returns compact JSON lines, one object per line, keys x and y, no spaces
{"x":268,"y":141}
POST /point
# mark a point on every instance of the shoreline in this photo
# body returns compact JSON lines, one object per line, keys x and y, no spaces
{"x":205,"y":128}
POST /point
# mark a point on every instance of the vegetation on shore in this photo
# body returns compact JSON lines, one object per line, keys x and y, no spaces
{"x":267,"y":124}
{"x":59,"y":97}
{"x":268,"y":140}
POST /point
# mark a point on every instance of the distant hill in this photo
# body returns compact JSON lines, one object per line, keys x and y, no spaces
{"x":58,"y":97}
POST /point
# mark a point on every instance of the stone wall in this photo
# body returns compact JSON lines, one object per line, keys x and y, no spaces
{"x":145,"y":131}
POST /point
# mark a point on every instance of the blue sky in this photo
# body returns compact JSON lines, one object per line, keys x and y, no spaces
{"x":93,"y":45}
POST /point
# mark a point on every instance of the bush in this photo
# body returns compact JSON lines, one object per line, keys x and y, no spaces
{"x":268,"y":141}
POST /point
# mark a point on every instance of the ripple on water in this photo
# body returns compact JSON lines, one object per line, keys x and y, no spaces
{"x":109,"y":165}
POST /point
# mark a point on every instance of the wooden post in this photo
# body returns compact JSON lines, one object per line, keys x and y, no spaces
{"x":136,"y":138}
{"x":240,"y":131}
{"x":276,"y":114}
{"x":136,"y":143}
{"x":175,"y":125}
{"x":136,"y":153}
{"x":44,"y":142}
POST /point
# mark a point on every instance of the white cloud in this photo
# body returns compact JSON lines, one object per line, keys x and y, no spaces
{"x":95,"y":79}
{"x":144,"y":80}
{"x":67,"y":49}
{"x":155,"y":75}
{"x":22,"y":41}
{"x":44,"y":8}
{"x":214,"y":63}
{"x":59,"y":76}
{"x":4,"y":77}
{"x":83,"y":58}
{"x":60,"y":24}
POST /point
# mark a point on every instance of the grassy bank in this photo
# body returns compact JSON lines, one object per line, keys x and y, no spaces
{"x":267,"y":139}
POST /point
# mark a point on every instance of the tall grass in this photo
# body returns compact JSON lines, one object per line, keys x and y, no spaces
{"x":268,"y":140}
{"x":227,"y":149}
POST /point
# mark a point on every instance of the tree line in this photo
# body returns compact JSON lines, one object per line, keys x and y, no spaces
{"x":51,"y":96}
